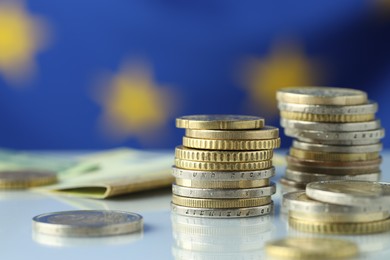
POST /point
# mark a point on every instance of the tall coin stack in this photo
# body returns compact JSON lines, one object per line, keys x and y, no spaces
{"x":337,"y":136}
{"x":224,"y":166}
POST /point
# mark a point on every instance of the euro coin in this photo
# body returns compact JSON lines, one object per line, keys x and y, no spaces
{"x":220,"y":203}
{"x":216,"y":166}
{"x":23,"y":179}
{"x":368,"y":108}
{"x":267,"y":132}
{"x":307,"y":177}
{"x":223,"y":122}
{"x":325,"y":156}
{"x":338,"y":148}
{"x":214,"y":144}
{"x":223,"y":184}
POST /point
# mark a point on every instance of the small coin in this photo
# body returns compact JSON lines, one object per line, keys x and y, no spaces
{"x":321,"y":96}
{"x":267,"y":132}
{"x":223,"y":175}
{"x":223,"y":122}
{"x":325,"y":156}
{"x":307,"y":177}
{"x":223,"y":184}
{"x":353,"y":193}
{"x":223,"y":213}
{"x":340,"y":228}
{"x":185,"y":153}
{"x":220,"y":203}
{"x":338,"y":148}
{"x":368,"y":108}
{"x":328,"y":118}
{"x":330,"y":127}
{"x":336,"y":136}
{"x":213,"y":144}
{"x":311,"y":248}
{"x":215,"y":166}
{"x":23,"y":179}
{"x":318,"y":163}
{"x":223,"y":193}
{"x":88,"y":223}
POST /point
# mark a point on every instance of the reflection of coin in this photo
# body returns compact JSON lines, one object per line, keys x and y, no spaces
{"x":368,"y":108}
{"x":21,"y":179}
{"x":311,"y":248}
{"x":234,"y":145}
{"x":267,"y":132}
{"x":220,"y":122}
{"x":354,"y":193}
{"x":317,"y":126}
{"x":88,"y":223}
{"x":220,"y":203}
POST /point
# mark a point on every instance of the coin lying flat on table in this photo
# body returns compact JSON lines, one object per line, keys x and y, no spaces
{"x":220,"y":203}
{"x":223,"y":122}
{"x":326,"y":156}
{"x":204,"y":184}
{"x":311,"y":248}
{"x":368,"y":108}
{"x":219,"y":166}
{"x":339,"y":118}
{"x":23,"y":179}
{"x":267,"y":132}
{"x":336,"y":136}
{"x":88,"y":223}
{"x":215,"y":144}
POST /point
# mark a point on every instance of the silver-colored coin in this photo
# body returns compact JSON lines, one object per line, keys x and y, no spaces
{"x":223,"y":176}
{"x":330,"y":127}
{"x":340,"y":142}
{"x":353,"y":193}
{"x":307,"y":177}
{"x":224,"y":193}
{"x":338,"y":148}
{"x":290,"y":185}
{"x":369,"y":108}
{"x":88,"y":223}
{"x":223,"y":213}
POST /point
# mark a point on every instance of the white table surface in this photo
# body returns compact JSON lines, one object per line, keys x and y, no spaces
{"x":165,"y":236}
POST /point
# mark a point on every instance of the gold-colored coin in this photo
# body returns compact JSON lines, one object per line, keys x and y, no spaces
{"x":22,"y":179}
{"x":220,"y":203}
{"x":234,"y":145}
{"x":321,"y":96}
{"x":323,"y":156}
{"x":333,"y":118}
{"x":215,"y":166}
{"x":340,"y":228}
{"x":340,"y":217}
{"x":223,"y":122}
{"x":223,"y":184}
{"x":267,"y":132}
{"x":185,"y":153}
{"x":311,"y":248}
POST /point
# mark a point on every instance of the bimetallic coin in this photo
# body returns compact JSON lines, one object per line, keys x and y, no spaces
{"x":311,"y":248}
{"x":307,"y":177}
{"x":223,"y":193}
{"x":213,"y":144}
{"x":223,"y":122}
{"x":223,"y":175}
{"x":325,"y":156}
{"x":330,"y":127}
{"x":223,"y":213}
{"x":338,"y":148}
{"x":368,"y":108}
{"x":353,"y":193}
{"x":185,"y":153}
{"x":88,"y":223}
{"x":23,"y":179}
{"x":340,"y":228}
{"x":220,"y":203}
{"x":214,"y":166}
{"x":328,"y":118}
{"x":321,"y":96}
{"x":223,"y":184}
{"x":267,"y":132}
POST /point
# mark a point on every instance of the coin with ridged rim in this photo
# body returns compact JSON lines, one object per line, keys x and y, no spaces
{"x":88,"y":223}
{"x":214,"y":144}
{"x":267,"y":132}
{"x":223,"y":122}
{"x":220,"y":203}
{"x":222,"y":184}
{"x":326,"y":156}
{"x":327,"y":118}
{"x":336,"y":136}
{"x":22,"y":179}
{"x":216,"y":166}
{"x":321,"y":96}
{"x":318,"y":126}
{"x":338,"y":148}
{"x":369,"y":108}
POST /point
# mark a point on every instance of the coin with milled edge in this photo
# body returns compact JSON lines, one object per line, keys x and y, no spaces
{"x":354,"y":193}
{"x":222,"y":184}
{"x":368,"y":108}
{"x":23,"y":179}
{"x":215,"y":166}
{"x":223,"y":122}
{"x":325,"y":156}
{"x":336,"y":136}
{"x":339,"y":217}
{"x":335,"y":118}
{"x":88,"y":223}
{"x":223,"y":193}
{"x":311,"y":248}
{"x":306,"y":177}
{"x":319,"y":163}
{"x":321,"y":96}
{"x":338,"y":148}
{"x":223,"y":175}
{"x":223,"y":213}
{"x":267,"y":132}
{"x":332,"y":127}
{"x":213,"y":144}
{"x":220,"y":203}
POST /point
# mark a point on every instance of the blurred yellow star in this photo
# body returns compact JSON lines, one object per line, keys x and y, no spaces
{"x":21,"y":36}
{"x":285,"y":65}
{"x":133,"y":105}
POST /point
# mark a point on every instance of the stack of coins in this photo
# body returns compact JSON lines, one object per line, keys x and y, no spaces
{"x":224,"y":166}
{"x":340,"y":207}
{"x":336,"y":135}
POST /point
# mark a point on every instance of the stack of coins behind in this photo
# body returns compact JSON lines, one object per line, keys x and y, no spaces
{"x":336,"y":135}
{"x":224,"y":166}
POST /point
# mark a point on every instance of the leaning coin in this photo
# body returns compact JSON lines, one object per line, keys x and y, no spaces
{"x":223,"y":122}
{"x":321,"y":96}
{"x":216,"y":166}
{"x":338,"y":148}
{"x":267,"y":132}
{"x":215,"y":144}
{"x":335,"y":136}
{"x":88,"y":223}
{"x":223,"y":193}
{"x":23,"y":179}
{"x":307,"y":177}
{"x":311,"y":248}
{"x":326,"y":156}
{"x":353,"y":193}
{"x":368,"y":108}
